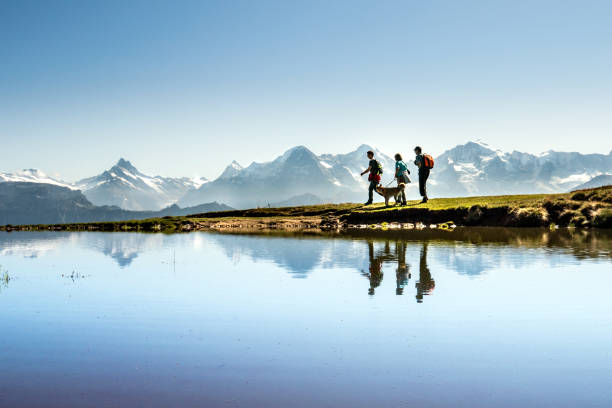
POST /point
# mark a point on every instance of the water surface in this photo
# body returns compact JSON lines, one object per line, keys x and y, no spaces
{"x":472,"y":318}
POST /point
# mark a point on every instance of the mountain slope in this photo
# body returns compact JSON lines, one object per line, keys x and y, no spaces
{"x":43,"y":203}
{"x":598,"y":181}
{"x":126,"y":187}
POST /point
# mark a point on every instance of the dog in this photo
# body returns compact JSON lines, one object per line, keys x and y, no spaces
{"x":388,"y":192}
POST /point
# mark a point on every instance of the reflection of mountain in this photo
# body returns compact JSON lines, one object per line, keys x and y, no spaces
{"x":468,"y":260}
{"x":298,"y":256}
{"x":29,"y":244}
{"x":470,"y":251}
{"x":122,"y":247}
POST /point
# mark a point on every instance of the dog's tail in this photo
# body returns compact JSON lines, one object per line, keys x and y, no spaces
{"x":401,"y":186}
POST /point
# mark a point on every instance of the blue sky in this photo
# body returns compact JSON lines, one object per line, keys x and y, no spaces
{"x":184,"y":87}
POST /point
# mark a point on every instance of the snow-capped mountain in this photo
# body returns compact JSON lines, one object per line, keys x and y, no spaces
{"x":126,"y":187}
{"x":475,"y":168}
{"x":33,"y":176}
{"x":299,"y":176}
{"x":297,"y":172}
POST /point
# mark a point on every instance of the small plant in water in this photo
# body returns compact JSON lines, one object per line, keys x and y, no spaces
{"x":74,"y":275}
{"x":5,"y":278}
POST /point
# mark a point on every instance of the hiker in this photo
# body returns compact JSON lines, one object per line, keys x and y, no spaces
{"x":401,"y":175}
{"x":402,"y":273}
{"x":375,"y":169}
{"x":425,"y":285}
{"x":425,"y":163}
{"x":375,"y":273}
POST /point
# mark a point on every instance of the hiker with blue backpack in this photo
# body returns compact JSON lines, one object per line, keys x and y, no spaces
{"x":376,"y":170}
{"x":401,"y":175}
{"x":425,"y":163}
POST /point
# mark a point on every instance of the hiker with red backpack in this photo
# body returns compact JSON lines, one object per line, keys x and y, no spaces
{"x":376,"y":170}
{"x":425,"y":163}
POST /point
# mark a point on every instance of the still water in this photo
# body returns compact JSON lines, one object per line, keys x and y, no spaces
{"x":471,"y":318}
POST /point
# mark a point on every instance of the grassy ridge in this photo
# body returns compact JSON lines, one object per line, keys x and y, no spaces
{"x":585,"y":208}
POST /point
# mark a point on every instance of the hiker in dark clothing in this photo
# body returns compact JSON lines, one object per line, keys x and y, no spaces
{"x":425,"y":285}
{"x":374,"y":177}
{"x":375,"y":273}
{"x":423,"y":173}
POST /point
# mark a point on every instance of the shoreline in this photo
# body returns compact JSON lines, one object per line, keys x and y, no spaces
{"x":579,"y":209}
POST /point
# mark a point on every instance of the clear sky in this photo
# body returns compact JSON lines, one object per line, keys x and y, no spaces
{"x":181,"y":88}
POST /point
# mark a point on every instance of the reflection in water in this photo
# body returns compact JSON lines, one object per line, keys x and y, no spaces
{"x":299,"y":255}
{"x":377,"y":259}
{"x":402,"y":273}
{"x":425,"y":284}
{"x":374,"y":274}
{"x":230,"y":325}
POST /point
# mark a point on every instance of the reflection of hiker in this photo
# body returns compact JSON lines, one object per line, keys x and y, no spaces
{"x":375,"y":274}
{"x":401,"y":175}
{"x":403,"y":270}
{"x":425,"y":163}
{"x":375,"y":169}
{"x":425,"y":283}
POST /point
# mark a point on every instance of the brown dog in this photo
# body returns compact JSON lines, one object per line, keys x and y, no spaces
{"x":389,"y":192}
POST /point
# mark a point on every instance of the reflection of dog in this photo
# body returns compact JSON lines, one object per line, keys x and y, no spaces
{"x":389,"y":192}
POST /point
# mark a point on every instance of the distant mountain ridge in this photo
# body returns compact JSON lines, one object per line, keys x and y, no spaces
{"x":299,"y":176}
{"x":297,"y":172}
{"x":126,"y":187}
{"x":33,"y":176}
{"x":477,"y":169}
{"x":43,"y":203}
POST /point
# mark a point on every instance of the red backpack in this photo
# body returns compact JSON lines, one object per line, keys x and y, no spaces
{"x":428,"y":161}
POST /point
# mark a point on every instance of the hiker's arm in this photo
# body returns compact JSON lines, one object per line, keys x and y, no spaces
{"x":366,"y":170}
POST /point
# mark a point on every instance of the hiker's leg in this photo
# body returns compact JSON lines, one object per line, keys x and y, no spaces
{"x":426,"y":176}
{"x":371,"y":191}
{"x":422,"y":179}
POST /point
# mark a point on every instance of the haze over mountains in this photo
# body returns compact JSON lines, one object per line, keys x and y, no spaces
{"x":300,"y":176}
{"x":40,"y":203}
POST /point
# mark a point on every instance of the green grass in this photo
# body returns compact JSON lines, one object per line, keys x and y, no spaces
{"x":514,"y":201}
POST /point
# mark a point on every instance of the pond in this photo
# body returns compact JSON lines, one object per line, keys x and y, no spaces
{"x":468,"y":318}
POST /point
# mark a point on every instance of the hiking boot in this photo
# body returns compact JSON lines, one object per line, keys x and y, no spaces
{"x":425,"y":199}
{"x":367,"y":203}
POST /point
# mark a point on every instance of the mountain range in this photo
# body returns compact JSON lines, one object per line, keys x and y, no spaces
{"x":299,"y":176}
{"x":44,"y":203}
{"x":477,"y":169}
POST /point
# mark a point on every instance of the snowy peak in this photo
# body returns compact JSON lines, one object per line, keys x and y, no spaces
{"x":470,"y":152}
{"x":297,"y":153}
{"x":33,"y":176}
{"x":124,"y":186}
{"x":126,"y":166}
{"x":231,"y":170}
